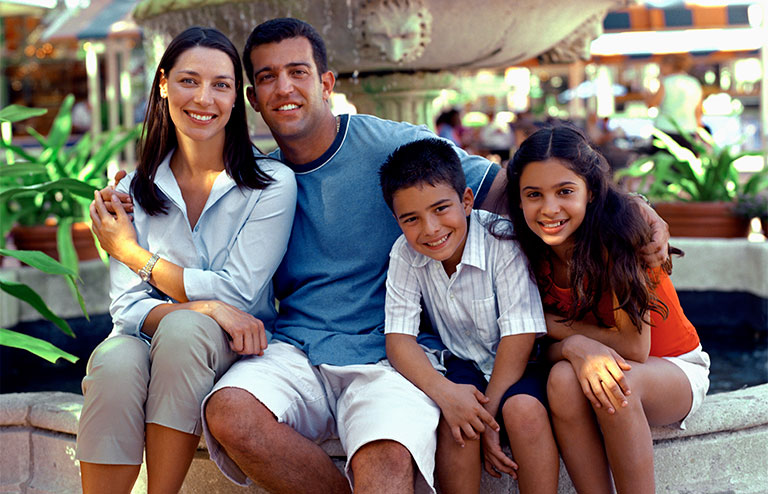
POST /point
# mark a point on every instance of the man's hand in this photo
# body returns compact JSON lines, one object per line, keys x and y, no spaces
{"x":656,"y":251}
{"x":247,"y":333}
{"x":599,"y":370}
{"x":115,"y":231}
{"x":463,"y":411}
{"x":496,"y":462}
{"x":125,"y":199}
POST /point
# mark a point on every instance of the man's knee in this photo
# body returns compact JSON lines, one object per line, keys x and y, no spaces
{"x":388,"y":457}
{"x":234,"y":416}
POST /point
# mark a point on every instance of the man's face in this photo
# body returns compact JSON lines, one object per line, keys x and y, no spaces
{"x":288,"y":91}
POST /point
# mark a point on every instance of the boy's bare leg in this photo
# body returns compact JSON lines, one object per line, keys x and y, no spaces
{"x":169,"y":454}
{"x":382,"y":467}
{"x":533,"y":445}
{"x":272,"y":454}
{"x":577,"y":432}
{"x":97,"y":478}
{"x":458,"y":470}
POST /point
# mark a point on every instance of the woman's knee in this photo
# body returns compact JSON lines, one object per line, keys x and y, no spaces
{"x":118,"y":362}
{"x":186,"y":336}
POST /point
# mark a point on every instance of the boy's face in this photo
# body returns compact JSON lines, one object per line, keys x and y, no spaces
{"x":434,"y":220}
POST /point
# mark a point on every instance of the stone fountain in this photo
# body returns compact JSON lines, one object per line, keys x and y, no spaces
{"x":393,"y":57}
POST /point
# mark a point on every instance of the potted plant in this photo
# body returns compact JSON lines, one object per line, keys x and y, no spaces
{"x":696,"y":193}
{"x":55,"y":185}
{"x":754,"y":206}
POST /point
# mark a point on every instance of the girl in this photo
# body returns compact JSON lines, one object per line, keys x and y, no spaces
{"x":625,"y":355}
{"x":190,"y":276}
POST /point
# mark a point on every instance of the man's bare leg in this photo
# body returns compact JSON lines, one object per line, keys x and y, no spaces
{"x":272,"y":454}
{"x":383,"y":467}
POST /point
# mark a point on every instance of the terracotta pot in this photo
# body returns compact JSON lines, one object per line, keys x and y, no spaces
{"x":43,"y":238}
{"x":702,"y":219}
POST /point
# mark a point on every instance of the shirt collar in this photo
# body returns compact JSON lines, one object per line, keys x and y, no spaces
{"x":474,"y":248}
{"x":166,"y":182}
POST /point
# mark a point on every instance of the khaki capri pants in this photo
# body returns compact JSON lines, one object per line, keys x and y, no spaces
{"x":130,"y":383}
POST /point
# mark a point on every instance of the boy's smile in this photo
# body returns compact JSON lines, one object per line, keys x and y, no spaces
{"x":434,"y":221}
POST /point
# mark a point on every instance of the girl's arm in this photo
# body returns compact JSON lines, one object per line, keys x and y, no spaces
{"x":460,"y":404}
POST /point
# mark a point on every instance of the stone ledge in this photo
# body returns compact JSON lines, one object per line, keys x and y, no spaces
{"x":723,"y":450}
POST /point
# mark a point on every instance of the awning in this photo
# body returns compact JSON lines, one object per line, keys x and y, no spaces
{"x":101,"y":19}
{"x":648,"y":18}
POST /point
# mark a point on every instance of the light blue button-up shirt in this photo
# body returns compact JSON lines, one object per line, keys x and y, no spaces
{"x":230,"y":254}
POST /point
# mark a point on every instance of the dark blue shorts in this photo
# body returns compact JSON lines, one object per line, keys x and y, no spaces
{"x":533,"y":382}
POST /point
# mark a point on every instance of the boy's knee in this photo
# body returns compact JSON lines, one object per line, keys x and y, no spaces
{"x":525,"y":414}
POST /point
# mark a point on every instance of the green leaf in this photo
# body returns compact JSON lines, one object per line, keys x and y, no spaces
{"x":39,"y":260}
{"x":21,"y":169}
{"x":65,"y":244}
{"x":70,"y":185}
{"x":28,"y":295}
{"x":18,"y":151}
{"x":15,"y":113}
{"x":62,"y":124}
{"x":39,"y":347}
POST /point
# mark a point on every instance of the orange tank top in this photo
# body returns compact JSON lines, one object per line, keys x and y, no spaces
{"x":670,"y":337}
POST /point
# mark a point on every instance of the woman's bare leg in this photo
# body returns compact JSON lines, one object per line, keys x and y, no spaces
{"x":97,"y":478}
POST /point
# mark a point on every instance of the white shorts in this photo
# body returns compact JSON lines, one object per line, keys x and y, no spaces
{"x":695,"y":365}
{"x":370,"y":402}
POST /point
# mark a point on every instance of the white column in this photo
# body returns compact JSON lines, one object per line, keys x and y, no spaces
{"x":94,"y":90}
{"x":126,"y":98}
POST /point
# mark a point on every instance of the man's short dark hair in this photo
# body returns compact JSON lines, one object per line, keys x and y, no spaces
{"x":427,"y":161}
{"x":276,"y":30}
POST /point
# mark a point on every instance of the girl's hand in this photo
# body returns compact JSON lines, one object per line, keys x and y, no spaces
{"x":600,"y":372}
{"x":116,"y":234}
{"x":496,"y":462}
{"x":107,"y":193}
{"x":463,"y":411}
{"x":247,"y":334}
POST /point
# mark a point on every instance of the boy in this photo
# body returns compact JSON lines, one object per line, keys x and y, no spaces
{"x":485,"y":307}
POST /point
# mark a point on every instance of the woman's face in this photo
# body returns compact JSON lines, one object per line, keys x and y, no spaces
{"x":554,"y":202}
{"x":201,"y":92}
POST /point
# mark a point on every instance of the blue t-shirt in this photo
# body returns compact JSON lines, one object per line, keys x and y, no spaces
{"x":331,"y":282}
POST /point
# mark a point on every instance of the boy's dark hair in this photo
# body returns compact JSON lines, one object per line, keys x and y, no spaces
{"x":280,"y":29}
{"x":427,"y":161}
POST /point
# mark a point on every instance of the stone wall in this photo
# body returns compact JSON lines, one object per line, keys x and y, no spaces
{"x":723,"y":450}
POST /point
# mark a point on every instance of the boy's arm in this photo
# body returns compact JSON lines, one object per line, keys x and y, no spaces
{"x":460,"y":404}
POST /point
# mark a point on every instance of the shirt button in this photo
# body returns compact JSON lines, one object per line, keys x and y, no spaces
{"x":197,"y":228}
{"x":451,"y":296}
{"x":466,"y":333}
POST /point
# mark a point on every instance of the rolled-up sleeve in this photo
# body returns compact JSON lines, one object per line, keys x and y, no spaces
{"x":255,"y":253}
{"x":518,"y":296}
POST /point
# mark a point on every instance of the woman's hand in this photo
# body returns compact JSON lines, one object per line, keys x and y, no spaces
{"x":496,"y":462}
{"x":247,"y":334}
{"x":115,"y":233}
{"x":463,"y":411}
{"x":599,"y":369}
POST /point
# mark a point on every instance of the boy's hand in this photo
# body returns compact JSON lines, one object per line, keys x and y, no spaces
{"x":462,"y":408}
{"x":496,"y":462}
{"x":125,"y":199}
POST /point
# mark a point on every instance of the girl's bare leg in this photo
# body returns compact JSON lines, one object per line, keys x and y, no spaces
{"x":532,"y":443}
{"x":577,"y":432}
{"x":97,"y":478}
{"x":661,"y":394}
{"x":169,"y":454}
{"x":458,"y":469}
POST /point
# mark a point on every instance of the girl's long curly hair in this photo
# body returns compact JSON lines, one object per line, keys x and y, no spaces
{"x":606,"y":253}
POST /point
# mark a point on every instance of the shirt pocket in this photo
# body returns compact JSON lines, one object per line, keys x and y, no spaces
{"x":485,"y":315}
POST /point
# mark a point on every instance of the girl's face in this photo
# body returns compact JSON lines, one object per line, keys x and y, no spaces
{"x":200,"y":88}
{"x":554,"y":201}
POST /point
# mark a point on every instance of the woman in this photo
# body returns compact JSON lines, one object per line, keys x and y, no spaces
{"x":190,"y":276}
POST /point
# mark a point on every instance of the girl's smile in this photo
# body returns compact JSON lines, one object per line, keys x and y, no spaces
{"x":554,"y":201}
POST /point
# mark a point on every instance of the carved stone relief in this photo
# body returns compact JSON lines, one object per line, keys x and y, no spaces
{"x":576,"y":46}
{"x":395,"y":30}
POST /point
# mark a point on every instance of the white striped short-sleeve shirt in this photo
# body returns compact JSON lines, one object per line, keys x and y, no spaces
{"x":491,"y":294}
